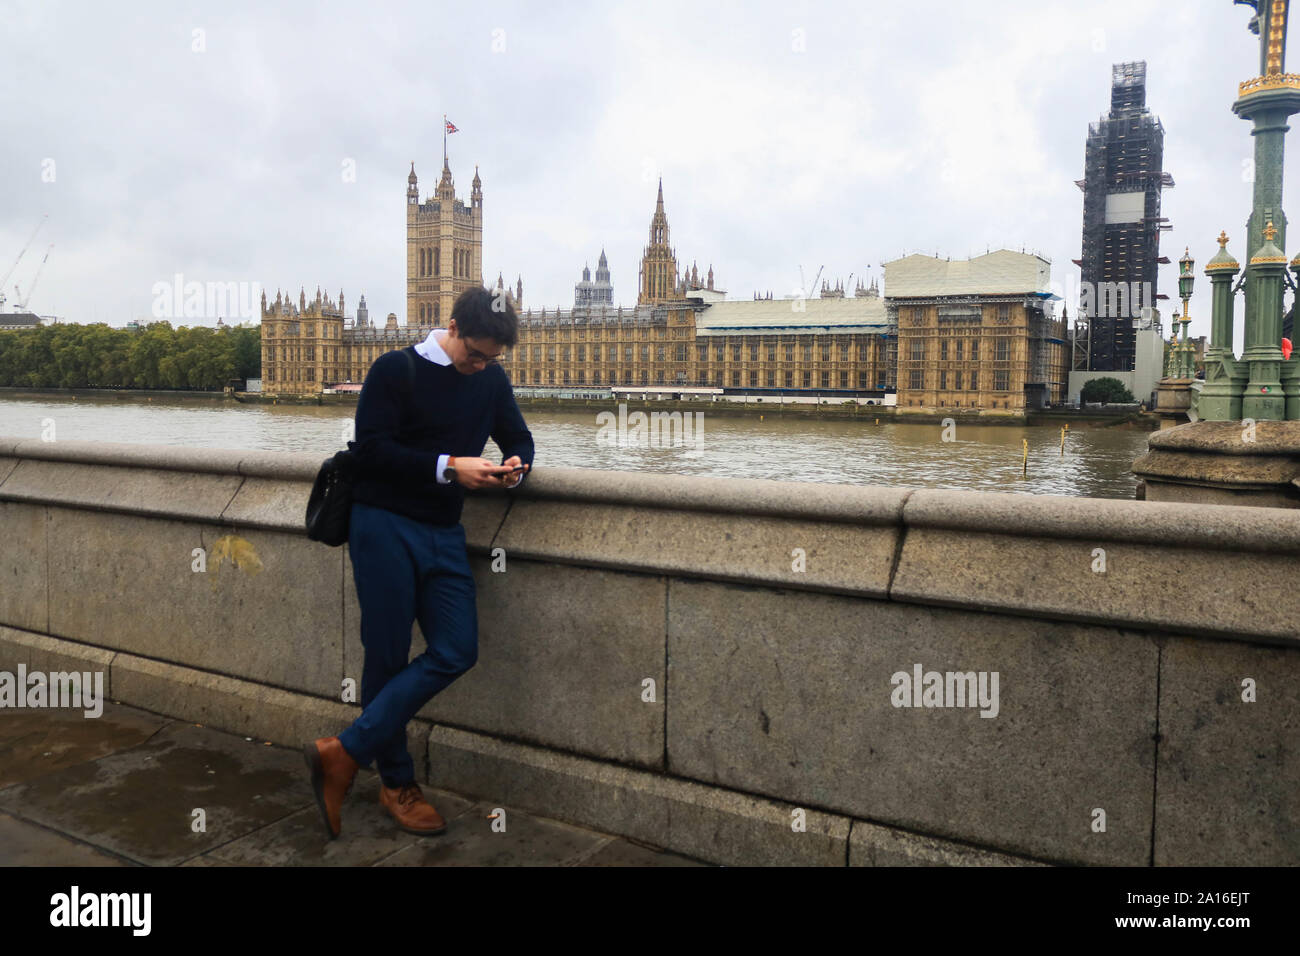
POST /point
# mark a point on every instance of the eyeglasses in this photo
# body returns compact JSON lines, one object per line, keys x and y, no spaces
{"x":475,"y":355}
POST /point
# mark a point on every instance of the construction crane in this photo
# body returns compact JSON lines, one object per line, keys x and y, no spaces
{"x":22,"y":304}
{"x":806,"y":293}
{"x":5,"y":281}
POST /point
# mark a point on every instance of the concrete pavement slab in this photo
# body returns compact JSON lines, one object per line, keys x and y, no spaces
{"x":36,"y":742}
{"x":368,"y":836}
{"x":141,"y":803}
{"x":27,"y":844}
{"x":526,"y":841}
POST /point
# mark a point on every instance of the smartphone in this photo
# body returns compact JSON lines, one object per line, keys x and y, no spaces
{"x":516,"y":469}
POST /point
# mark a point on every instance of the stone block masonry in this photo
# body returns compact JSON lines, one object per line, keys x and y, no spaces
{"x":706,"y":665}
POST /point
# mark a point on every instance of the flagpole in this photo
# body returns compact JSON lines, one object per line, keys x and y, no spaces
{"x":444,"y":139}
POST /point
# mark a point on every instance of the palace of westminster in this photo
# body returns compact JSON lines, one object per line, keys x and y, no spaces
{"x":978,"y":334}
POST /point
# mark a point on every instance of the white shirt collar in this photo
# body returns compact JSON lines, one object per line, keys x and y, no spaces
{"x":431,"y":349}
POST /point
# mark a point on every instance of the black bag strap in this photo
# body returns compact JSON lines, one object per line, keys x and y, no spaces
{"x":410,"y":370}
{"x":410,"y":385}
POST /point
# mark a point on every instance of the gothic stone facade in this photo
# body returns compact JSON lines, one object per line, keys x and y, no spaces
{"x":976,"y":334}
{"x":767,"y":344}
{"x":307,"y":346}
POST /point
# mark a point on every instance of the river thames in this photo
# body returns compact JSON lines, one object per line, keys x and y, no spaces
{"x":1096,"y":462}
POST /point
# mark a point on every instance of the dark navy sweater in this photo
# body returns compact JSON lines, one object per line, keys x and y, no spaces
{"x":400,"y":433}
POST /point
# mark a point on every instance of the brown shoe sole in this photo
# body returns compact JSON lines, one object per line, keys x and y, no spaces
{"x":441,"y":829}
{"x":312,"y":756}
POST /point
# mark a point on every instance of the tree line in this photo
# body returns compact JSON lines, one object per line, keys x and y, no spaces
{"x":157,"y":356}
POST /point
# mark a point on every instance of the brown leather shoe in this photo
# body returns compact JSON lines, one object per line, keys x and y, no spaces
{"x":413,"y":813}
{"x":333,"y":771}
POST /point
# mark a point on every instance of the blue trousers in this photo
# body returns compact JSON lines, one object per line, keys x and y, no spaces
{"x":406,"y":570}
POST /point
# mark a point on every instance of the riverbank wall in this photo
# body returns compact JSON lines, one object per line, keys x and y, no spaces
{"x":848,"y":411}
{"x":118,"y":394}
{"x":738,"y":670}
{"x":845,"y":411}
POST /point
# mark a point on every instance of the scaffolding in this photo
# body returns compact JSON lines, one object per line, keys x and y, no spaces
{"x":1121,"y":242}
{"x":1081,"y":345}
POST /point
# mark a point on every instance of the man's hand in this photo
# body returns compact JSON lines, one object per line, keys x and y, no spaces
{"x":476,"y":473}
{"x":510,"y":480}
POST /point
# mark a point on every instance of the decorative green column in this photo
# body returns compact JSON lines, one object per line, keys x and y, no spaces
{"x":1220,"y":399}
{"x":1264,"y":399}
{"x":1267,"y":101}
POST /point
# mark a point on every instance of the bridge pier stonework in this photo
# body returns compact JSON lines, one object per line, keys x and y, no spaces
{"x":1225,"y":463}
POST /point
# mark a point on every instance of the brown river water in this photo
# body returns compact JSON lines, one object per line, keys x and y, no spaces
{"x":1096,"y":462}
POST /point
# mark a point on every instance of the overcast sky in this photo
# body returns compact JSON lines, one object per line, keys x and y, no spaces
{"x":787,"y":134}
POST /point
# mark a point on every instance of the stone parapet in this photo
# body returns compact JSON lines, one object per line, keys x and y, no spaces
{"x":699,"y":663}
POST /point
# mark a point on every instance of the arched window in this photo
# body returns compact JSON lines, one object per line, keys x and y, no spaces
{"x":437,"y":264}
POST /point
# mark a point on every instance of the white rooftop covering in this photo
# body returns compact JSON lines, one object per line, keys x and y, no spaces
{"x":995,"y":273}
{"x":774,"y":314}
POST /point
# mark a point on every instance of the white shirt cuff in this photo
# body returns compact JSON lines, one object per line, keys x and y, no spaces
{"x":442,"y":464}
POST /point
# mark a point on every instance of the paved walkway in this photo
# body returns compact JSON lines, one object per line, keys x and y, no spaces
{"x":122,"y":789}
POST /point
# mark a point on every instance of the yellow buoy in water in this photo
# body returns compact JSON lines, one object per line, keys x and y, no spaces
{"x":1024,"y":467}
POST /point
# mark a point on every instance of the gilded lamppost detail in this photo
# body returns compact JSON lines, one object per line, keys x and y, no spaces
{"x":1276,"y":39}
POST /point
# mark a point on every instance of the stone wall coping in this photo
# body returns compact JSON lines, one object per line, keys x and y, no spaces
{"x":1219,"y":527}
{"x":288,"y":466}
{"x":844,"y":503}
{"x":1225,"y":438}
{"x":862,"y":505}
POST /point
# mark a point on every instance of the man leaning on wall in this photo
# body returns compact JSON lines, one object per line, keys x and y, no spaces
{"x":422,"y":422}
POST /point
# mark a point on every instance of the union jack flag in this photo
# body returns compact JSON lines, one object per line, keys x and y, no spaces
{"x":450,"y":127}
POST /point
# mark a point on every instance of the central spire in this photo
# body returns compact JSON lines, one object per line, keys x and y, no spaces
{"x":659,"y":221}
{"x":658,"y":280}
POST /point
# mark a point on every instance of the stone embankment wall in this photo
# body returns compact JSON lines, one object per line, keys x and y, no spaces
{"x":718,"y":667}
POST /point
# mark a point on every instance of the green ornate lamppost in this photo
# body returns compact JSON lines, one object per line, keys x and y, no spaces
{"x":1261,"y":385}
{"x":1186,"y":358}
{"x":1225,"y":377}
